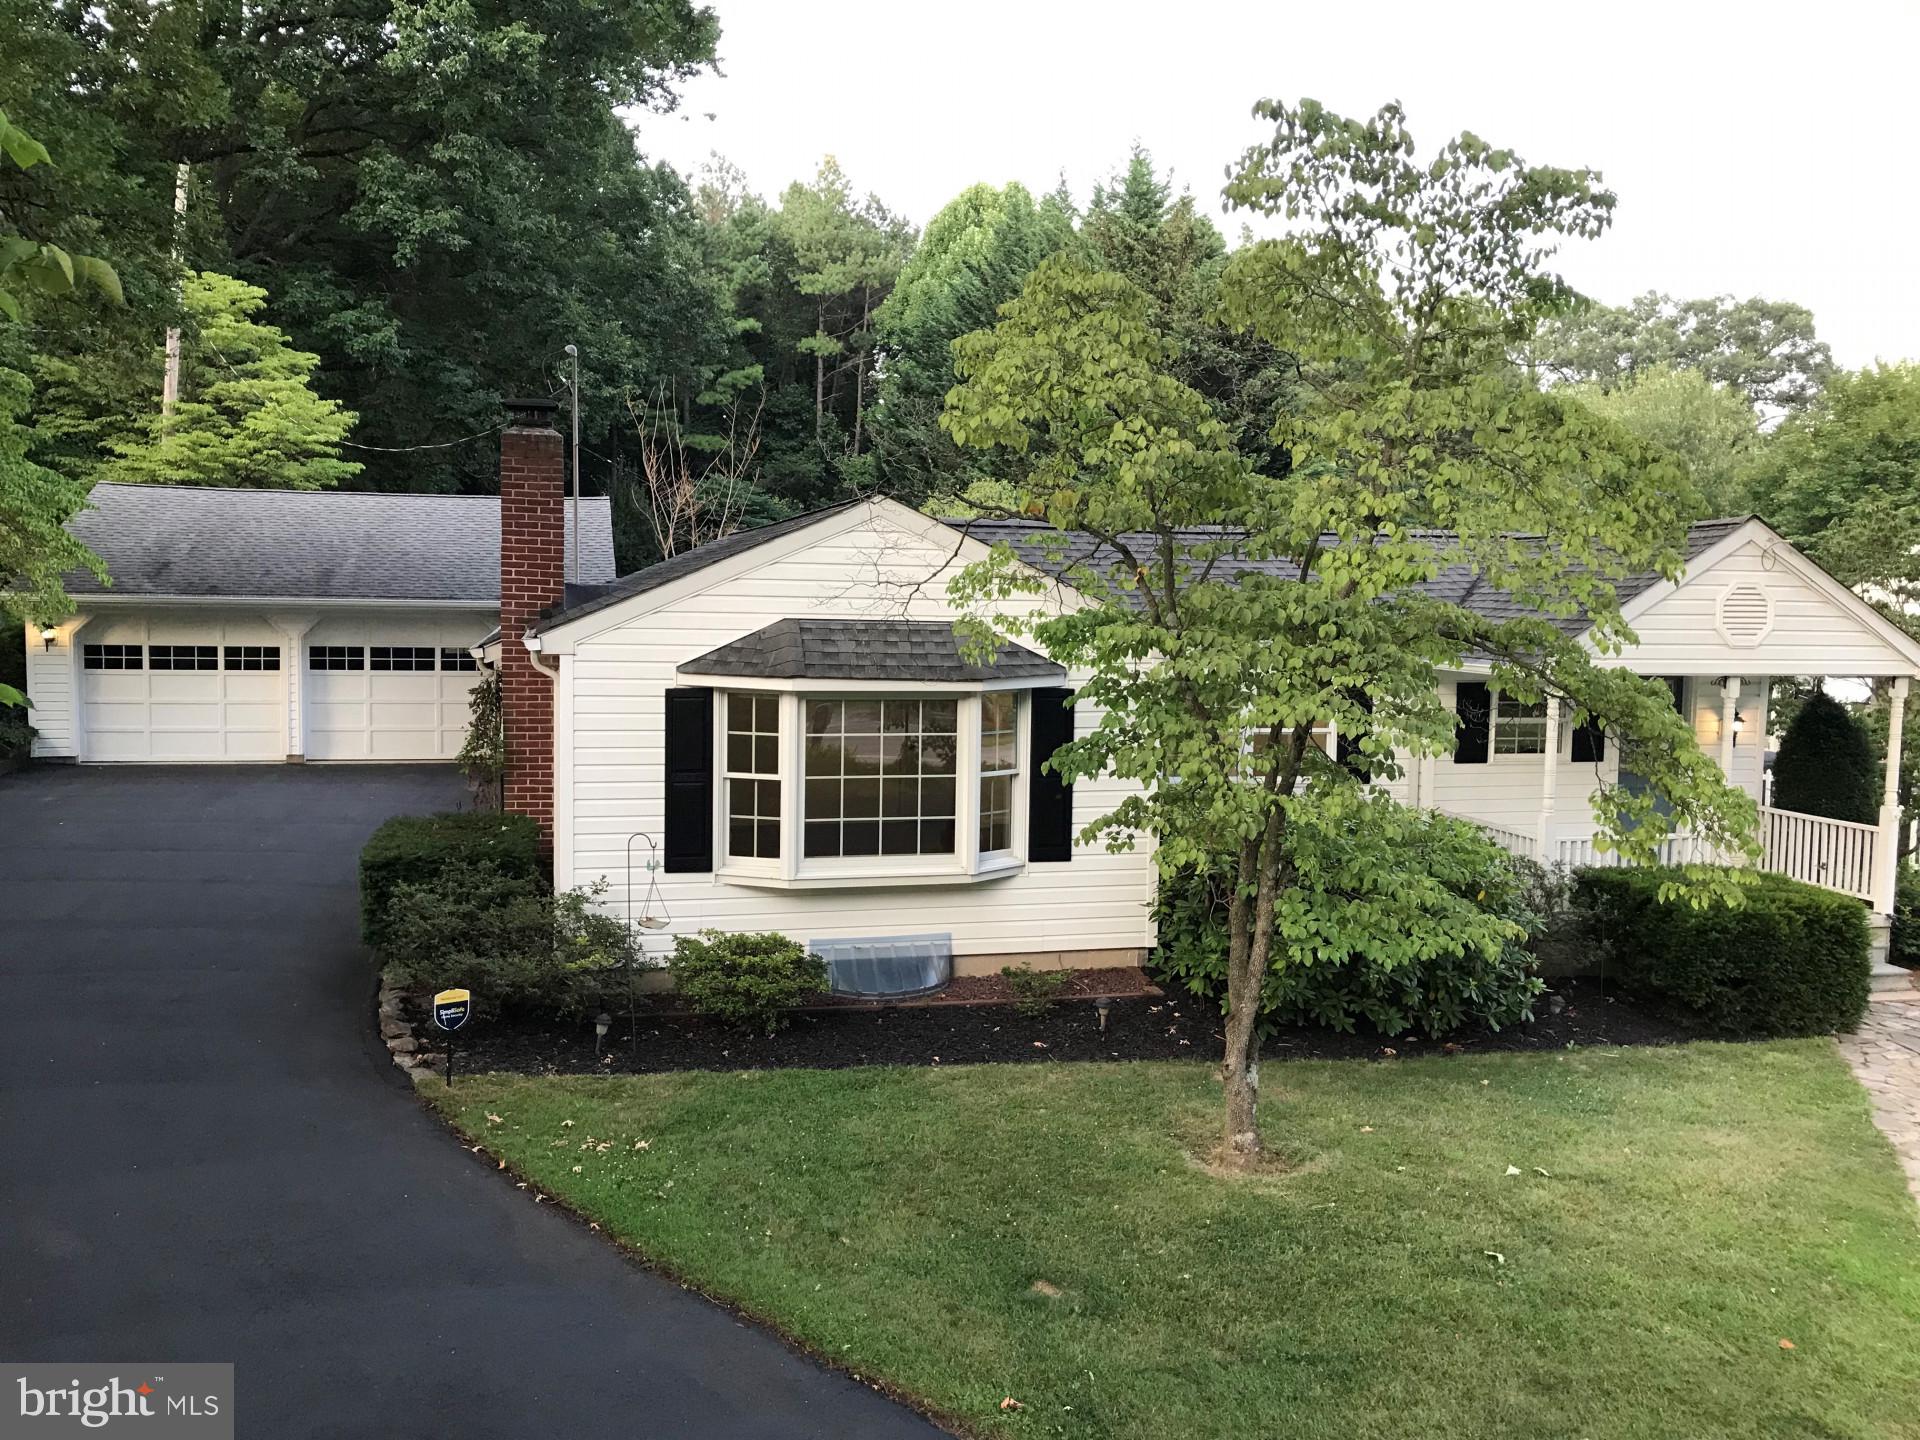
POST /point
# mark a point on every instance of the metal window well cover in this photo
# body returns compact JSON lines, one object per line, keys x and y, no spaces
{"x":886,"y":964}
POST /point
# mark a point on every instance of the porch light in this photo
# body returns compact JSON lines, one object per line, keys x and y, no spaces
{"x":47,"y":636}
{"x":1739,"y":724}
{"x":1103,"y":1007}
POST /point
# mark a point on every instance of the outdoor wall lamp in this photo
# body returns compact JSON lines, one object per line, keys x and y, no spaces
{"x":1739,"y":724}
{"x":47,"y":636}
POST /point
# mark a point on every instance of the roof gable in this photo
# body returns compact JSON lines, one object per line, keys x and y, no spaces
{"x":201,"y":542}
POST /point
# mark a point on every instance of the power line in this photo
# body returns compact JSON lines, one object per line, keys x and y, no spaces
{"x":437,"y":445}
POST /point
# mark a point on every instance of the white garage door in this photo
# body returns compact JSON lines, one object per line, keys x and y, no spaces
{"x":159,"y":689}
{"x":388,"y":691}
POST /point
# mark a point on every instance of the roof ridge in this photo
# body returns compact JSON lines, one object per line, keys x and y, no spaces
{"x":290,"y":490}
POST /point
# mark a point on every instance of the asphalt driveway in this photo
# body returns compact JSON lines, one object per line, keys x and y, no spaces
{"x":206,"y":1156}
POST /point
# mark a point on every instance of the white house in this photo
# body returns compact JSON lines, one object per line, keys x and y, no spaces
{"x":780,"y":731}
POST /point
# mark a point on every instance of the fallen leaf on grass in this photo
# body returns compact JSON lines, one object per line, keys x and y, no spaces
{"x":1011,"y":1404}
{"x":643,"y":1144}
{"x":493,"y":1119}
{"x":566,"y":1124}
{"x":1497,"y":1257}
{"x":1786,"y":1345}
{"x":1513,"y":1169}
{"x":1538,"y":1171}
{"x":1366,"y":1129}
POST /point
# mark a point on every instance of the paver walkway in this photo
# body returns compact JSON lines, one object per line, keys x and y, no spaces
{"x":1885,"y":1054}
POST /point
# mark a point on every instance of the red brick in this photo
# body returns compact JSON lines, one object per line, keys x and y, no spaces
{"x":532,"y":577}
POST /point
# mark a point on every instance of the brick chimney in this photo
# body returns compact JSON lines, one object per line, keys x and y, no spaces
{"x":533,"y":568}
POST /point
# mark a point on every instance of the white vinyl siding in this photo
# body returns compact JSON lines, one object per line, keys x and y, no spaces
{"x":614,"y":719}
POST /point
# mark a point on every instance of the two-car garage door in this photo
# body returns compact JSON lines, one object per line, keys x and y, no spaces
{"x":157,"y":688}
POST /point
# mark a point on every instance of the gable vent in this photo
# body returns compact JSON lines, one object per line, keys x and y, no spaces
{"x":1746,"y":615}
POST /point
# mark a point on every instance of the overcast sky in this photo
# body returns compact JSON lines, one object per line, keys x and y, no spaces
{"x":1757,"y":149}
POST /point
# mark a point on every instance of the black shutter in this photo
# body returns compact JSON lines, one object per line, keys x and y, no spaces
{"x":1049,"y":798}
{"x":1589,"y":742}
{"x":1471,"y":703}
{"x":1347,"y":745}
{"x":689,"y":837}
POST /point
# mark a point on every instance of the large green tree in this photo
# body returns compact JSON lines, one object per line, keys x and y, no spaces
{"x":1233,"y":610}
{"x":1765,"y":349}
{"x":1711,"y":428}
{"x":247,"y":414}
{"x":436,"y":196}
{"x":974,"y":256}
{"x":1842,"y":480}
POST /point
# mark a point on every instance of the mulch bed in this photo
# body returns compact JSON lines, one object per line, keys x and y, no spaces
{"x":1146,"y":1027}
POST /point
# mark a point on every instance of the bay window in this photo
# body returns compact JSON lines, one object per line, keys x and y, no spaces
{"x":999,"y":768}
{"x":823,"y":788}
{"x":880,"y":777}
{"x":753,"y":777}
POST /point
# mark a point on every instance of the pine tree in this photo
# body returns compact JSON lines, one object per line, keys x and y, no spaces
{"x":248,"y":415}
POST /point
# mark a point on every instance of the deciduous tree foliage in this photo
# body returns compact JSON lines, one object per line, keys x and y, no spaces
{"x":1765,"y":349}
{"x":1842,"y":480}
{"x":1711,"y":428}
{"x":1232,"y":603}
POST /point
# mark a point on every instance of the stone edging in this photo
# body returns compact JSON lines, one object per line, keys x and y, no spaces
{"x":397,"y":1032}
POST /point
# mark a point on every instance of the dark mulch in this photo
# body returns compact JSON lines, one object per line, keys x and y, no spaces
{"x":1146,"y":1028}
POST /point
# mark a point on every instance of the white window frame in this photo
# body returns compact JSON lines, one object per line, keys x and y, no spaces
{"x":1495,"y":700}
{"x":794,"y":870}
{"x":723,"y":825}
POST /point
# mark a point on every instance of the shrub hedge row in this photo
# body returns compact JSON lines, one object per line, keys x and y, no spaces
{"x":1791,"y":961}
{"x":415,"y":849}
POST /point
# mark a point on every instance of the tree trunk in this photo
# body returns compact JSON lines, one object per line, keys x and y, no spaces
{"x":819,"y":375}
{"x":860,"y":366}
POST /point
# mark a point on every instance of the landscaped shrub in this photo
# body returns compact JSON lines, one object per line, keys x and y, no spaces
{"x":502,"y":933}
{"x":747,"y":980}
{"x":1437,"y":993}
{"x":1826,"y":764}
{"x":1904,"y":942}
{"x":1790,"y":960}
{"x":414,"y":849}
{"x":1034,"y":991}
{"x":16,"y":734}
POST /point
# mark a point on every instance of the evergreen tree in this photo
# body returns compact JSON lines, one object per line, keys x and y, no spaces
{"x":1826,"y":765}
{"x":247,"y":415}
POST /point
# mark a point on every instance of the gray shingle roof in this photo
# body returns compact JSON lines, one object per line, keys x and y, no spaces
{"x":203,"y":542}
{"x":866,"y":650}
{"x":1056,"y":553}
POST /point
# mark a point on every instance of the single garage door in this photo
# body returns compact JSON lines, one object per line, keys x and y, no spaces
{"x":155,"y":689}
{"x":389,"y":691}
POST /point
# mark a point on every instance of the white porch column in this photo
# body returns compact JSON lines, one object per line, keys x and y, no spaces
{"x":1548,"y":777}
{"x":1886,"y":852}
{"x":1729,"y":712}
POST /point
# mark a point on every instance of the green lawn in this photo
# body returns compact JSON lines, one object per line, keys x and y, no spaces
{"x":1700,"y":1204}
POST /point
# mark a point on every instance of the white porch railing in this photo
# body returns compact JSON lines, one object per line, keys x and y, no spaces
{"x":1834,"y":854}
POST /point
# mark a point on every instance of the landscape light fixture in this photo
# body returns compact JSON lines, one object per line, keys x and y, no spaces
{"x":1103,"y":1007}
{"x":47,"y":636}
{"x":602,"y":1023}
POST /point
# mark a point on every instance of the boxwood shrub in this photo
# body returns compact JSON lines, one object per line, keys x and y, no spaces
{"x":414,"y":849}
{"x":1791,"y":960}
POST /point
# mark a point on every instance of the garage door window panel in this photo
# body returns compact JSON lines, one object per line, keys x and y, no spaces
{"x":253,"y":657}
{"x":401,"y":657}
{"x":336,"y":657}
{"x":183,"y":657}
{"x":111,"y":657}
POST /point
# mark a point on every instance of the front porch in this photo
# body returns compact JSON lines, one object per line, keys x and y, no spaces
{"x":1729,"y":714}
